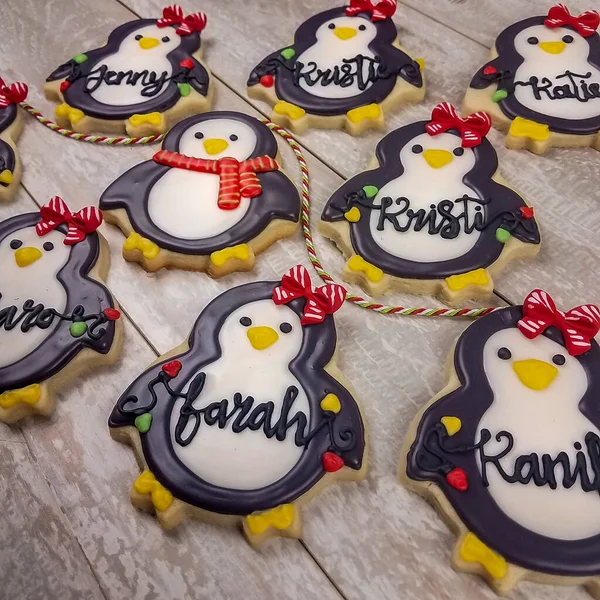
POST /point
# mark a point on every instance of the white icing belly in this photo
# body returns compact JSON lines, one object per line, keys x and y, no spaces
{"x":184,"y":205}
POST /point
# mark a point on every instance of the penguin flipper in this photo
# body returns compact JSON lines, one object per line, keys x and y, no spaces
{"x":198,"y":78}
{"x":406,"y":67}
{"x":269,"y":66}
{"x":68,"y":69}
{"x":494,"y":71}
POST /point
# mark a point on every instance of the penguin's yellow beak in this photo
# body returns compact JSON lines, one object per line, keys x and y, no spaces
{"x":147,"y":42}
{"x":215,"y":146}
{"x":262,"y":337}
{"x":345,"y":33}
{"x":26,"y":256}
{"x":437,"y":159}
{"x":6,"y":177}
{"x":552,"y":47}
{"x":535,"y":374}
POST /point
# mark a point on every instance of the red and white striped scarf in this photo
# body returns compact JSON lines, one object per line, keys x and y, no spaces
{"x":236,"y":179}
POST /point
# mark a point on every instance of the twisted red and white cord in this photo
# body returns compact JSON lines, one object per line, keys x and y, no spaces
{"x":327,"y":278}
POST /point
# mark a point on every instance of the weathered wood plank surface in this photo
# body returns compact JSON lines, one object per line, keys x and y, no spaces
{"x":373,"y":540}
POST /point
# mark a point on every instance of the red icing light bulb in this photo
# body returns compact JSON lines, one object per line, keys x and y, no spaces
{"x":172,"y":368}
{"x":64,"y":85}
{"x":112,"y":314}
{"x":527,"y":212}
{"x":489,"y":70}
{"x":457,"y":478}
{"x":332,"y":462}
{"x":187,"y":63}
{"x":267,"y":80}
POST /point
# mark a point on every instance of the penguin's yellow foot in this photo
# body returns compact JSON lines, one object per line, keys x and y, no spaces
{"x":473,"y":284}
{"x":235,"y":258}
{"x":283,"y":520}
{"x":289,"y":115}
{"x":66,"y":115}
{"x":473,"y":550}
{"x":6,"y":177}
{"x":364,"y":117}
{"x":27,"y":395}
{"x":16,"y":404}
{"x":529,"y":135}
{"x":136,"y":245}
{"x":149,"y":494}
{"x":370,"y":277}
{"x":146,"y":124}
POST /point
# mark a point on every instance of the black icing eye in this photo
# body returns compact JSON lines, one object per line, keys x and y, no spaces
{"x":138,"y":37}
{"x":246,"y":321}
{"x":48,"y":246}
{"x":417,"y":148}
{"x":458,"y":151}
{"x":532,"y":40}
{"x":198,"y":135}
{"x":14,"y":244}
{"x":362,"y":27}
{"x":331,"y":25}
{"x":567,"y":39}
{"x":559,"y":359}
{"x":285,"y":328}
{"x":233,"y":137}
{"x":504,"y":353}
{"x":166,"y":39}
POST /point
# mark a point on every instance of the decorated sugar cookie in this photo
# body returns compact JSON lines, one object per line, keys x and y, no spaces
{"x":434,"y":216}
{"x":57,"y":319}
{"x":542,"y":83}
{"x":249,"y":417}
{"x":11,"y":124}
{"x":509,"y":450}
{"x":143,"y":80}
{"x":344,"y":69}
{"x":210,"y":200}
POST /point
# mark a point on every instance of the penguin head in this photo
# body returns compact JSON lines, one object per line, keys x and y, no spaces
{"x":437,"y":156}
{"x":219,"y":138}
{"x":354,"y":31}
{"x":262,"y":332}
{"x":151,"y":41}
{"x":24,"y":253}
{"x":541,"y":43}
{"x":538,"y":370}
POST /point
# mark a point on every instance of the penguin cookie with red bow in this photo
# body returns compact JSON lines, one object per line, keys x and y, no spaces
{"x":250,"y":417}
{"x":509,"y":450}
{"x":11,"y":125}
{"x":57,"y":319}
{"x":145,"y":78}
{"x":343,"y":70}
{"x":542,"y":82}
{"x":433,"y":216}
{"x":210,"y":200}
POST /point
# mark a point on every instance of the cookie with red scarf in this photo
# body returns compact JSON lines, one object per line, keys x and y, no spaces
{"x":11,"y":125}
{"x":344,"y":69}
{"x":210,"y":200}
{"x":57,"y":318}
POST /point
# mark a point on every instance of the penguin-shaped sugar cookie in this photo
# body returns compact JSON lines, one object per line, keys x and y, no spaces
{"x":57,"y":318}
{"x":434,"y":216}
{"x":210,"y":200}
{"x":11,"y":125}
{"x":542,"y":82}
{"x":142,"y":81}
{"x":509,"y":450}
{"x":343,"y":70}
{"x":246,"y":419}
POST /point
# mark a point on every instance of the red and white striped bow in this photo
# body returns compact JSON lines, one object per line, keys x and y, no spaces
{"x":383,"y":9}
{"x":578,"y":326}
{"x":12,"y":94}
{"x":173,"y":15}
{"x":472,"y":129}
{"x":320,"y":302}
{"x":585,"y":24}
{"x":56,"y":212}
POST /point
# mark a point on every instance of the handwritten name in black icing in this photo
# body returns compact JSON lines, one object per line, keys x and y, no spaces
{"x":571,"y":85}
{"x":151,"y":82}
{"x":362,"y":70}
{"x":244,"y":413}
{"x":37,"y":315}
{"x":447,"y":218}
{"x":541,"y":470}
